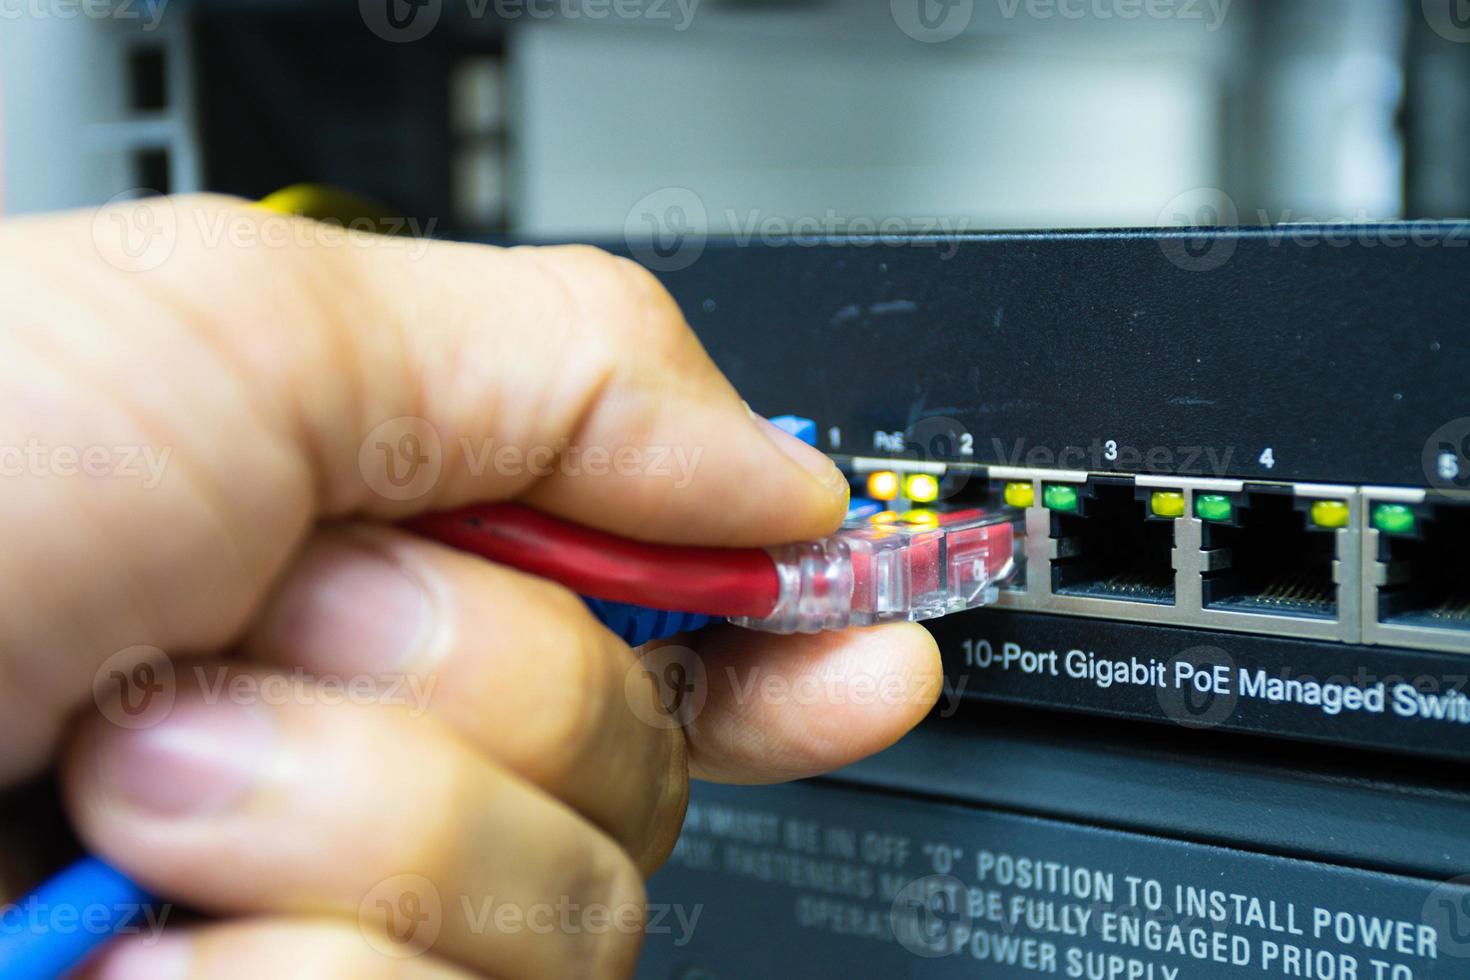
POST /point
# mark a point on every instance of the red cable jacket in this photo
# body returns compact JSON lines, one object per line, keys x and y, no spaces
{"x":710,"y":581}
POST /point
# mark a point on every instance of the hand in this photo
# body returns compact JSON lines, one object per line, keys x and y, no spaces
{"x":358,"y":736}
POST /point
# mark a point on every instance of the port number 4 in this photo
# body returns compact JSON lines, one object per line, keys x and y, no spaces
{"x":1268,"y":458}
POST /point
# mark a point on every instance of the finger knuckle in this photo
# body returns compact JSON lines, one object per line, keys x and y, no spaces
{"x":627,"y":301}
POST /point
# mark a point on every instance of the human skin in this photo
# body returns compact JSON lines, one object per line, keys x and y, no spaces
{"x":261,"y":362}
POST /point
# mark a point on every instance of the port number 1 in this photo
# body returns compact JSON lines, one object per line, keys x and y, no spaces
{"x":1268,"y":458}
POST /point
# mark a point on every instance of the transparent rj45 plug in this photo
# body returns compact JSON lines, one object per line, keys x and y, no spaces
{"x":891,"y":568}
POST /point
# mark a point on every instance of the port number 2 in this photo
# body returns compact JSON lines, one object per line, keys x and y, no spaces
{"x":1268,"y":458}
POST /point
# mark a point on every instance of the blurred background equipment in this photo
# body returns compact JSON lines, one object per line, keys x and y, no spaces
{"x":557,"y":117}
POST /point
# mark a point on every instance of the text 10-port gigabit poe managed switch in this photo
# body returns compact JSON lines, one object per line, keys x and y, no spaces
{"x":1233,"y":661}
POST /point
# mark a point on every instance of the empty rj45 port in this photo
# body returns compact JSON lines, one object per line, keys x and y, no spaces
{"x":1109,"y":543}
{"x":1426,"y":553}
{"x":1270,"y":553}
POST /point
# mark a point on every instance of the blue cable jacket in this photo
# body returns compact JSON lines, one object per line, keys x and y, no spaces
{"x":56,"y":926}
{"x":638,"y":626}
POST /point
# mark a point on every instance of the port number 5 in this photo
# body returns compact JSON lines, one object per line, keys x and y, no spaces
{"x":1268,"y":458}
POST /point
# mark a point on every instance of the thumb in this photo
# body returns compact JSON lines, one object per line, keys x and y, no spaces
{"x":175,"y":416}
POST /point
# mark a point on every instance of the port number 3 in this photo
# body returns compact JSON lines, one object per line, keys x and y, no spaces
{"x":1268,"y":458}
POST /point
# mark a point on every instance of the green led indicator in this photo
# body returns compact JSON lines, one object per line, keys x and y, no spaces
{"x":1393,"y":519}
{"x":1212,"y":507}
{"x":1059,"y":496}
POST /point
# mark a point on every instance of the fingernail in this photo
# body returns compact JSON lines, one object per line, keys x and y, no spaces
{"x":201,"y":758}
{"x":812,"y":459}
{"x":351,"y":606}
{"x":161,"y":957}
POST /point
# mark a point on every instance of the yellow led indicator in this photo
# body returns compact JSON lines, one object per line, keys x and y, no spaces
{"x":921,"y":488}
{"x":883,"y":485}
{"x":1020,"y":495}
{"x":1167,"y":503}
{"x":1330,"y":513}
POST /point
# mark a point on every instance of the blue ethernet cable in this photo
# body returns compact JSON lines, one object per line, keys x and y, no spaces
{"x":55,"y":927}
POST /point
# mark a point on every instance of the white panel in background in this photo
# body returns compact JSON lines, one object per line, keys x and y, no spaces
{"x":69,"y":136}
{"x":760,"y":125}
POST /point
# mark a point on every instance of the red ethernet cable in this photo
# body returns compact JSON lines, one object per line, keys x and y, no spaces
{"x":712,"y":581}
{"x":886,"y":568}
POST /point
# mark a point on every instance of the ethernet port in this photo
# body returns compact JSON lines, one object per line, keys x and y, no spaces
{"x":1428,"y":579}
{"x":1111,"y":547}
{"x":1270,"y":559}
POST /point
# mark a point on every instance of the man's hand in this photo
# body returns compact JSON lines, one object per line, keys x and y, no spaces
{"x":202,"y":458}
